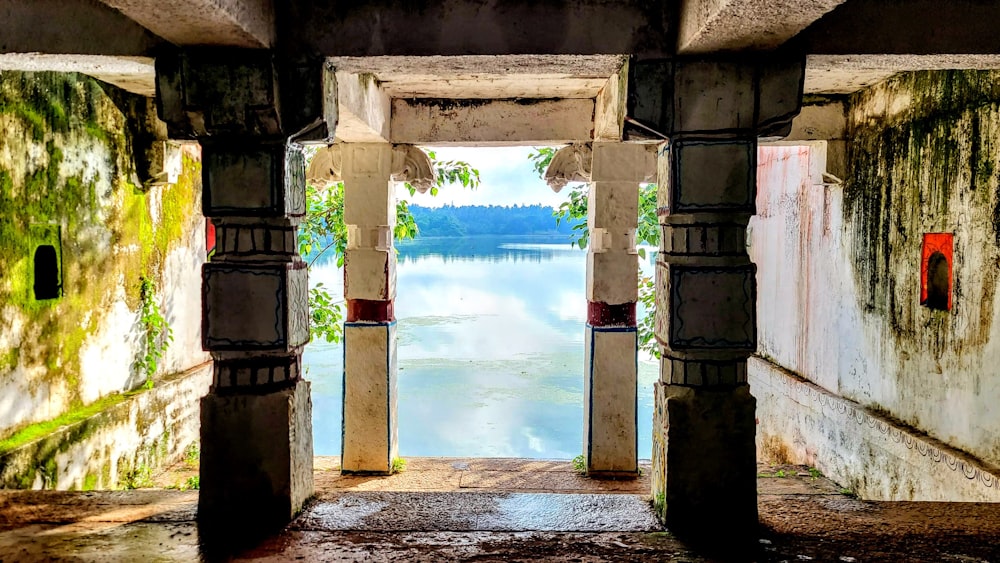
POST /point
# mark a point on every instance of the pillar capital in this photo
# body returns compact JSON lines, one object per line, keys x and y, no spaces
{"x":223,"y":92}
{"x":409,"y":164}
{"x":601,"y":162}
{"x":720,"y":97}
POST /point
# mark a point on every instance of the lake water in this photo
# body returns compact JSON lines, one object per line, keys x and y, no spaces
{"x":490,"y":351}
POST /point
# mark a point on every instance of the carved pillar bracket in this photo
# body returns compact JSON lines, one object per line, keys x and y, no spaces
{"x":412,"y":165}
{"x":713,"y":112}
{"x":251,"y":113}
{"x":326,"y":166}
{"x":570,"y":164}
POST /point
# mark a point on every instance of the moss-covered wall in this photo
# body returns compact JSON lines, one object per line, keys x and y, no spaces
{"x":68,"y":165}
{"x":839,"y":294}
{"x":924,"y":157}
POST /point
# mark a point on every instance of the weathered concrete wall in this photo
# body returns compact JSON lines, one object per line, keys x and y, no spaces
{"x":869,"y":453}
{"x":68,"y":170}
{"x":123,"y":442}
{"x":839,"y":270}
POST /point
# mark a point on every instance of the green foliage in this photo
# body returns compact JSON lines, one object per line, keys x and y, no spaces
{"x":193,"y":483}
{"x":646,"y":325}
{"x":473,"y":220}
{"x":660,"y":505}
{"x":326,"y":314}
{"x":398,"y":465}
{"x":574,"y":212}
{"x":540,"y":159}
{"x":156,"y":331}
{"x":453,"y":172}
{"x":192,"y":456}
{"x":139,"y":477}
{"x":815,"y":473}
{"x":580,"y":464}
{"x":323,"y":230}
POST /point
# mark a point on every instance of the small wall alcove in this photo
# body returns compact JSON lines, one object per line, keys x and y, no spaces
{"x":46,"y":262}
{"x":936,"y":271}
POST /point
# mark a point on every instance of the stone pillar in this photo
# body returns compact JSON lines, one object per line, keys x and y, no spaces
{"x":614,"y":171}
{"x":368,"y":171}
{"x":704,"y":462}
{"x":256,"y":421}
{"x":610,"y":342}
{"x":370,"y":331}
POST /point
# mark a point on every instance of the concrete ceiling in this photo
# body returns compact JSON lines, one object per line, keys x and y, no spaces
{"x":852,"y":44}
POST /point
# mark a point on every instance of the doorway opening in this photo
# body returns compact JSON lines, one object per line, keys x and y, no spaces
{"x":490,"y":312}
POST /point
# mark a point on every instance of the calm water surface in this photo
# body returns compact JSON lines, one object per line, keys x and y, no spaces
{"x":490,"y":351}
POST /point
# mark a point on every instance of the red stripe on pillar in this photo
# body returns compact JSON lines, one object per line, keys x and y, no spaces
{"x":367,"y":310}
{"x":603,"y":314}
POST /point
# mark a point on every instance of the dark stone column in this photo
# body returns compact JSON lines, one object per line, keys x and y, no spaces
{"x":704,"y":462}
{"x":256,"y":431}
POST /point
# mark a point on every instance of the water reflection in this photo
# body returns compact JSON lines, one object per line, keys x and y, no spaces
{"x":490,"y":351}
{"x":491,"y":249}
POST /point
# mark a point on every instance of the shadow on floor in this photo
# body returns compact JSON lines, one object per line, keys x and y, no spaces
{"x":493,"y":510}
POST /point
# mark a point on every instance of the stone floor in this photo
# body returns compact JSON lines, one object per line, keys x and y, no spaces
{"x":493,"y":510}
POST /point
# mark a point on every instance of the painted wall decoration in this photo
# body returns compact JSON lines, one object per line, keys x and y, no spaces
{"x":936,"y":271}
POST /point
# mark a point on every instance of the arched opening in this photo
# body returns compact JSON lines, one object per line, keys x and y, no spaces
{"x":935,"y":271}
{"x":938,"y":282}
{"x":47,"y":284}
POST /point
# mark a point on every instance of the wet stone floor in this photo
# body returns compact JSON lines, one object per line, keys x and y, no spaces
{"x":493,"y":510}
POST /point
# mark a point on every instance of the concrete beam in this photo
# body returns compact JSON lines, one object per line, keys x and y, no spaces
{"x":133,"y":74}
{"x":364,"y":109}
{"x":610,"y":107}
{"x":842,"y":74}
{"x":473,"y":27}
{"x":492,"y":122}
{"x":913,"y":27}
{"x":77,"y":27}
{"x":221,"y":23}
{"x":821,"y":121}
{"x":708,"y":26}
{"x":822,"y":125}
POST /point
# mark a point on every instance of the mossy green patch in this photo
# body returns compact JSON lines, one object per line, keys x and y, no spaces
{"x":40,"y":429}
{"x":72,"y":167}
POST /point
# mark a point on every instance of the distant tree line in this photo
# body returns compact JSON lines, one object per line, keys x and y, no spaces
{"x":471,"y":220}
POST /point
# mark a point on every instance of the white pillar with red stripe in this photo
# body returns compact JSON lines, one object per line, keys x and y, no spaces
{"x":370,"y":430}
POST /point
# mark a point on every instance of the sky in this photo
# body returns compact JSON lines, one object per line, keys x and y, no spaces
{"x":507,"y":178}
